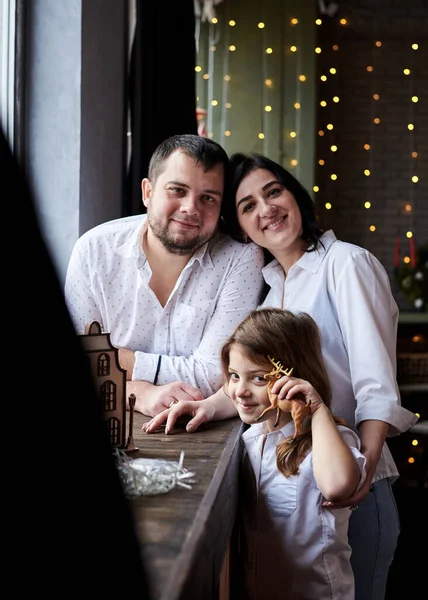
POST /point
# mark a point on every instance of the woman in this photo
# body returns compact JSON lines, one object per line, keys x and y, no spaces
{"x":347,"y":292}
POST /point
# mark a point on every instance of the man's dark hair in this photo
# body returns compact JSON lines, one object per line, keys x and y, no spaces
{"x":204,"y":150}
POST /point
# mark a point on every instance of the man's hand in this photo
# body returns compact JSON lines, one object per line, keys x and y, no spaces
{"x":199,"y":411}
{"x":153,"y":399}
{"x":127,"y":361}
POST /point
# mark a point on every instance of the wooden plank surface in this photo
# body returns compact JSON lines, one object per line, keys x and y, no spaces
{"x":184,"y":533}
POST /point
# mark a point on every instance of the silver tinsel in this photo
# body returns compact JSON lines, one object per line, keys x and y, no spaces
{"x":150,"y":476}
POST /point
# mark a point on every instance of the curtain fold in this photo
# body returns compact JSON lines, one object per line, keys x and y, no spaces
{"x":161,"y":86}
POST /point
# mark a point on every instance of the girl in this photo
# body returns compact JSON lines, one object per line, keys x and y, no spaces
{"x":294,"y":546}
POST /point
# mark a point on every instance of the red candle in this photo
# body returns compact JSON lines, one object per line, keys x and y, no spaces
{"x":397,"y":252}
{"x":412,"y":252}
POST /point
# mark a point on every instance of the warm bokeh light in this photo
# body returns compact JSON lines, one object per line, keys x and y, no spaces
{"x":227,"y":77}
{"x":323,"y":103}
{"x":376,"y":120}
{"x":323,"y":78}
{"x":232,"y":23}
{"x":293,"y":48}
{"x":214,"y":102}
{"x":366,"y":172}
{"x":232,"y":48}
{"x":227,"y":133}
{"x":269,"y":50}
{"x":333,"y":176}
{"x":333,"y":148}
{"x":409,"y":234}
{"x":261,"y":136}
{"x":302,"y":77}
{"x":293,"y":134}
{"x":378,"y":44}
{"x":366,"y":146}
{"x":214,"y":20}
{"x":321,"y":162}
{"x":372,"y":227}
{"x":328,"y":205}
{"x":410,"y":127}
{"x":415,"y":179}
{"x":336,"y":99}
{"x":260,"y":25}
{"x":294,"y":21}
{"x":268,"y":82}
{"x":369,"y":68}
{"x":198,"y":68}
{"x":316,"y":188}
{"x":330,"y":126}
{"x":376,"y":96}
{"x":367,"y":204}
{"x":268,"y":108}
{"x":408,"y":208}
{"x":297,"y":105}
{"x":414,"y":155}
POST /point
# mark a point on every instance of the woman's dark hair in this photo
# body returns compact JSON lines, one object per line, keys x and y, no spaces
{"x":243,"y":164}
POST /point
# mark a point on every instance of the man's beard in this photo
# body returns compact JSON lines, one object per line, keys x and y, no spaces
{"x":174,"y":246}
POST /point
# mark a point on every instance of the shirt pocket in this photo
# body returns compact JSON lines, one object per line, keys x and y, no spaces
{"x":282,"y":497}
{"x":188,"y":326}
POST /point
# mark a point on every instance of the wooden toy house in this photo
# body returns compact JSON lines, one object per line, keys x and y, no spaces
{"x":110,"y":381}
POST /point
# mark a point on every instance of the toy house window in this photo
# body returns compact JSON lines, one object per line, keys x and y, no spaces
{"x":103,"y":365}
{"x":113,"y":426}
{"x":109,"y":395}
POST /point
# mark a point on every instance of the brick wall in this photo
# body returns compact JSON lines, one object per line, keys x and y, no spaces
{"x":397,"y":25}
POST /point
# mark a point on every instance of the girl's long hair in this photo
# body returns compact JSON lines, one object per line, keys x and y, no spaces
{"x":295,"y":341}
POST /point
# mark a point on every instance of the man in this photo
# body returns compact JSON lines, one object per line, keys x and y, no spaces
{"x":168,"y":286}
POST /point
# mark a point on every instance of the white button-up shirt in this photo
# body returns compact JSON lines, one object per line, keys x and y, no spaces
{"x":346,"y":290}
{"x":108,"y":281}
{"x":294,"y":547}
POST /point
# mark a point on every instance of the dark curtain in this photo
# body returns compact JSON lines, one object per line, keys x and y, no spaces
{"x":162,"y":87}
{"x":70,"y":522}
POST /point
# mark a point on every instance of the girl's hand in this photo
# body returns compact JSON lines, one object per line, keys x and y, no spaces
{"x":291,"y":388}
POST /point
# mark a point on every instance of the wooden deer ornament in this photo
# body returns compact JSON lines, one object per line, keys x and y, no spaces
{"x":298,"y":411}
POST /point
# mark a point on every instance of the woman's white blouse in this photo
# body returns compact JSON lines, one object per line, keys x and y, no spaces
{"x":347,"y":292}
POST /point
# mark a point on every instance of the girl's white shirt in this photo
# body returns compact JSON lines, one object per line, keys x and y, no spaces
{"x":294,"y":547}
